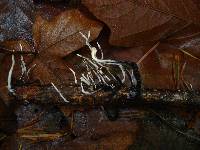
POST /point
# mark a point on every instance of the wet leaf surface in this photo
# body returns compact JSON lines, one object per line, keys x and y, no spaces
{"x":133,"y":24}
{"x":16,"y":19}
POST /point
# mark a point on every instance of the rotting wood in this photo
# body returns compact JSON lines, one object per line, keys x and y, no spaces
{"x":46,"y":94}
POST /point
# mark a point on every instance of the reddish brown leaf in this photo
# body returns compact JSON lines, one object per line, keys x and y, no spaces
{"x":187,"y":39}
{"x":57,"y":38}
{"x":188,"y":10}
{"x":164,"y":67}
{"x":60,"y":36}
{"x":132,"y":23}
{"x":13,"y":46}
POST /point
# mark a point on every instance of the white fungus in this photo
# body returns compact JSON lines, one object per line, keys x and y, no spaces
{"x":10,"y":75}
{"x":23,"y":64}
{"x":98,"y":70}
{"x":75,"y":80}
{"x":59,"y":92}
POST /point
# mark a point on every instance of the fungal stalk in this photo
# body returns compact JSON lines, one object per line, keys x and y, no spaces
{"x":24,"y":70}
{"x":98,"y":74}
{"x":58,"y":91}
{"x":23,"y":64}
{"x":10,"y":76}
{"x":102,"y":62}
{"x":29,"y":70}
{"x":74,"y":74}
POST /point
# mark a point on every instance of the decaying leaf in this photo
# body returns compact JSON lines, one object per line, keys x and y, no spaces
{"x":60,"y":36}
{"x":132,"y":23}
{"x":187,"y":10}
{"x":165,"y":68}
{"x":13,"y":46}
{"x":16,"y":19}
{"x":57,"y":38}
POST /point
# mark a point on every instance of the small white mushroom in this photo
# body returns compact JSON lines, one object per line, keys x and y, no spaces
{"x":75,"y":80}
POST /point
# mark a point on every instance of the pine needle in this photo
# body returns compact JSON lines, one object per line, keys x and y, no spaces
{"x":148,"y":52}
{"x":187,"y":53}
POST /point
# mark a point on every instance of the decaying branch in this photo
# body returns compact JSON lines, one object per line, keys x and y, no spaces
{"x":47,"y":94}
{"x":102,"y":81}
{"x":178,"y":97}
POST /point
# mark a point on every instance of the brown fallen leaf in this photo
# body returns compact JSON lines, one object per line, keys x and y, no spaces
{"x":143,"y":22}
{"x":94,"y":129}
{"x":187,"y":39}
{"x":48,"y":11}
{"x":13,"y":46}
{"x":57,"y":38}
{"x":165,"y":68}
{"x":16,"y":19}
{"x":159,"y":65}
{"x":187,"y":10}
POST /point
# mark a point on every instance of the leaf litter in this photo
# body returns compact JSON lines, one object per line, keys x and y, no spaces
{"x":55,"y":38}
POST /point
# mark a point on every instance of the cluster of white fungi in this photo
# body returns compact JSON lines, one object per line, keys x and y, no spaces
{"x":97,"y":71}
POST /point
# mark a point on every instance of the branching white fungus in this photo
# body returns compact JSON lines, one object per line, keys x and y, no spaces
{"x":97,"y":70}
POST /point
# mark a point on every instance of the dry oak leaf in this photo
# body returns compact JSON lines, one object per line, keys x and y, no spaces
{"x":56,"y":38}
{"x":133,"y":23}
